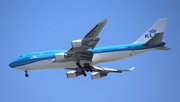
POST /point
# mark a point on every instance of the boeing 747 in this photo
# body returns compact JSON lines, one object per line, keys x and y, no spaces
{"x":83,"y":57}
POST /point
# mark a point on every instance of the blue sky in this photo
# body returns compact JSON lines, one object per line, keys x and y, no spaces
{"x":31,"y":26}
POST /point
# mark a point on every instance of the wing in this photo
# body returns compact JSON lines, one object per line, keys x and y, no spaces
{"x":97,"y":72}
{"x":79,"y":50}
{"x":107,"y":70}
{"x":102,"y":72}
{"x":96,"y":30}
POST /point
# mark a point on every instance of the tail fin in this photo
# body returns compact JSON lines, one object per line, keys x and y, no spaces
{"x":155,"y":33}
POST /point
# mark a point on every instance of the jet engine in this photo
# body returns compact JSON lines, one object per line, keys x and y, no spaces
{"x":73,"y":74}
{"x":76,"y":43}
{"x":86,"y":42}
{"x":97,"y":75}
{"x":61,"y":56}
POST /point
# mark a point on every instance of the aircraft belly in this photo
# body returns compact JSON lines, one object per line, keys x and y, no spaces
{"x":118,"y":55}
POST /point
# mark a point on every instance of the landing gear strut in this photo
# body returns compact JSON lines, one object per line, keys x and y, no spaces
{"x":88,"y":67}
{"x":84,"y":73}
{"x":82,"y":69}
{"x":78,"y":64}
{"x":26,"y":73}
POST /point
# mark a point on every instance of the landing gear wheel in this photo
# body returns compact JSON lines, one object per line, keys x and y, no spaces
{"x":26,"y":75}
{"x":82,"y":69}
{"x":85,"y":74}
{"x":88,"y":67}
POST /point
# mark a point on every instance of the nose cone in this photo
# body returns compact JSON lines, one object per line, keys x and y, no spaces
{"x":11,"y":64}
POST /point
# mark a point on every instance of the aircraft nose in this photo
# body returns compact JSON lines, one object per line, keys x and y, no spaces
{"x":11,"y":64}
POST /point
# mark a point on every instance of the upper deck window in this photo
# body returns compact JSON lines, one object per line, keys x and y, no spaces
{"x":21,"y":56}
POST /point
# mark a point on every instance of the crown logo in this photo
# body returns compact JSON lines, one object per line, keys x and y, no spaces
{"x":152,"y":31}
{"x":33,"y":57}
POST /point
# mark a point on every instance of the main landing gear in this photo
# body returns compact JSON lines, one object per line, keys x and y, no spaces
{"x":82,"y":69}
{"x":84,"y":73}
{"x":26,"y":73}
{"x":86,"y":68}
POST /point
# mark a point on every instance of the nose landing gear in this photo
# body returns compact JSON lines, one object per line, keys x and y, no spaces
{"x":26,"y":73}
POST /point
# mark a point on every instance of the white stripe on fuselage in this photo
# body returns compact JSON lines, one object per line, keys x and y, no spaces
{"x":97,"y":58}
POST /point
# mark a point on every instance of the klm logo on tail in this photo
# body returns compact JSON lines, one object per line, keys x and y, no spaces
{"x":152,"y":33}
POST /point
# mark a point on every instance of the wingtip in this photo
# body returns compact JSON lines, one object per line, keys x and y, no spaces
{"x":164,"y":19}
{"x":106,"y":19}
{"x":132,"y":68}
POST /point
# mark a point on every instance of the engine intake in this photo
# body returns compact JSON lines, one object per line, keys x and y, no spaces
{"x":86,"y":42}
{"x":61,"y":56}
{"x":97,"y":75}
{"x":76,"y":43}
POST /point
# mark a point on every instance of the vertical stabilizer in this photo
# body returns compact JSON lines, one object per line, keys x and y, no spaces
{"x":157,"y":28}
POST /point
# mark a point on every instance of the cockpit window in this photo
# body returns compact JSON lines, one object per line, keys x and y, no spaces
{"x":21,"y":56}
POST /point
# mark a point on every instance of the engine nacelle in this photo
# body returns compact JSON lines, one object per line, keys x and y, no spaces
{"x":72,"y":74}
{"x":97,"y":75}
{"x":86,"y":42}
{"x":76,"y":43}
{"x":61,"y":56}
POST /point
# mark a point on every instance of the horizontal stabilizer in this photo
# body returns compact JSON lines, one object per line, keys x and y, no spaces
{"x":157,"y":39}
{"x":163,"y":48}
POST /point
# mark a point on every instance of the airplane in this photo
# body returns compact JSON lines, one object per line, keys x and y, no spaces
{"x":83,"y":57}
